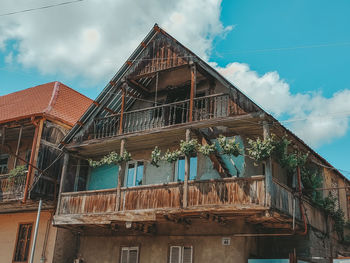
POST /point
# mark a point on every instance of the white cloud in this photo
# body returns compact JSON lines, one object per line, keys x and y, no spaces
{"x":91,"y":39}
{"x":313,"y":117}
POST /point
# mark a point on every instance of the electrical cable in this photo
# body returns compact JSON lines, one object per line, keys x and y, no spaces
{"x":40,"y":8}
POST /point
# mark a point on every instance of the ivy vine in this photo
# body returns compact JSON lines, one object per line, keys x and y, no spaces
{"x":111,"y":158}
{"x":192,"y":147}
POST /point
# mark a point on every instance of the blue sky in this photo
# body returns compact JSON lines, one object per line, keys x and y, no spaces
{"x":289,"y":56}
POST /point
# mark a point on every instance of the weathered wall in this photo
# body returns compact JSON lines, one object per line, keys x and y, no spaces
{"x":9,"y":226}
{"x":65,"y":246}
{"x":106,"y":249}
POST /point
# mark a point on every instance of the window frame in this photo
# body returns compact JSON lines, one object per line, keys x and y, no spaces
{"x":135,"y":162}
{"x":176,"y":174}
{"x":182,"y":248}
{"x":128,"y":248}
{"x":17,"y":239}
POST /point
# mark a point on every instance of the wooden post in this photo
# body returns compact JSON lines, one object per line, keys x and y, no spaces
{"x":33,"y":156}
{"x":268,"y":168}
{"x":187,"y":171}
{"x":122,"y":110}
{"x":193,"y":89}
{"x":3,"y":137}
{"x":63,"y":178}
{"x":18,"y":145}
{"x":121,"y":173}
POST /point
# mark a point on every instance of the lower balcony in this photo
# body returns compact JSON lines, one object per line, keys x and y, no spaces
{"x":229,"y":196}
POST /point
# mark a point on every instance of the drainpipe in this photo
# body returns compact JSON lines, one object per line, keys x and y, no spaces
{"x":32,"y":154}
{"x":35,"y":231}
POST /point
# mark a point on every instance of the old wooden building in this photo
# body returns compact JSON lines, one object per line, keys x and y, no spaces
{"x":32,"y":123}
{"x":199,"y":201}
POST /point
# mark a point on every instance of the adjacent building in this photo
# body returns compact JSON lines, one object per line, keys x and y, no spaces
{"x":32,"y":124}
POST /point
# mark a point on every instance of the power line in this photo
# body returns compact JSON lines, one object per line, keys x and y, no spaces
{"x":40,"y":8}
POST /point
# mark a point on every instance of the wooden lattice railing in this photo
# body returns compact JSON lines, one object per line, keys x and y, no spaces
{"x":204,"y":108}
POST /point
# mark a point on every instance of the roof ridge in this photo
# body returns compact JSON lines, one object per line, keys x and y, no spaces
{"x":54,"y":96}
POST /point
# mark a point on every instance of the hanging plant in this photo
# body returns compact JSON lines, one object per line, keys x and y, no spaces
{"x":172,"y":156}
{"x":289,"y":161}
{"x":189,"y":148}
{"x":207,"y":149}
{"x":18,"y":171}
{"x":111,"y":158}
{"x":156,"y":156}
{"x":259,"y":150}
{"x":229,"y":146}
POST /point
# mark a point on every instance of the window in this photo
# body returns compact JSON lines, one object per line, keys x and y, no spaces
{"x":129,"y":255}
{"x":23,"y":242}
{"x":180,"y":254}
{"x":3,"y":163}
{"x":180,"y":169}
{"x":134,"y":174}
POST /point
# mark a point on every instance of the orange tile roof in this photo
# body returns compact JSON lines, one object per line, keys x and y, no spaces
{"x":53,"y":100}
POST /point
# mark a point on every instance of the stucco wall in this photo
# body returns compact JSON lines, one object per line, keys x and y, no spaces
{"x":9,"y":226}
{"x":156,"y":249}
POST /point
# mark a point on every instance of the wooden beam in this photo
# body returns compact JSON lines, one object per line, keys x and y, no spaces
{"x":153,"y":73}
{"x":193,"y":89}
{"x":187,"y":171}
{"x":3,"y":132}
{"x":63,"y":177}
{"x":120,"y":177}
{"x":268,"y":167}
{"x":122,"y":111}
{"x":18,"y":145}
{"x":33,"y":155}
{"x":218,"y":164}
{"x":138,"y":87}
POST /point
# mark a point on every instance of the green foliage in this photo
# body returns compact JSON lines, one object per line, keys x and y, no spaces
{"x":172,"y":156}
{"x":18,"y":171}
{"x":229,"y":147}
{"x":337,"y":214}
{"x":290,"y":161}
{"x":259,"y":150}
{"x":111,"y":158}
{"x":311,"y":180}
{"x":207,"y":149}
{"x":189,"y":148}
{"x":156,"y":156}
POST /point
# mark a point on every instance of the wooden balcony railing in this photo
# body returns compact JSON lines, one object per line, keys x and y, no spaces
{"x":229,"y":192}
{"x":205,"y":108}
{"x":11,"y":188}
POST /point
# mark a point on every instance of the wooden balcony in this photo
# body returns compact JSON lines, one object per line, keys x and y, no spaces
{"x":204,"y":108}
{"x":147,"y":203}
{"x":11,"y":188}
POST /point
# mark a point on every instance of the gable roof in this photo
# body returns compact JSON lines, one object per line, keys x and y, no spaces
{"x":133,"y":64}
{"x":53,"y":100}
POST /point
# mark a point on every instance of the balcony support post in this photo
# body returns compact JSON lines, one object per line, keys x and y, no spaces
{"x":18,"y":145}
{"x":122,"y":109}
{"x":187,"y":171}
{"x":268,"y":167}
{"x":193,"y":89}
{"x":62,"y":180}
{"x":33,"y":155}
{"x":3,"y":138}
{"x":121,"y":172}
